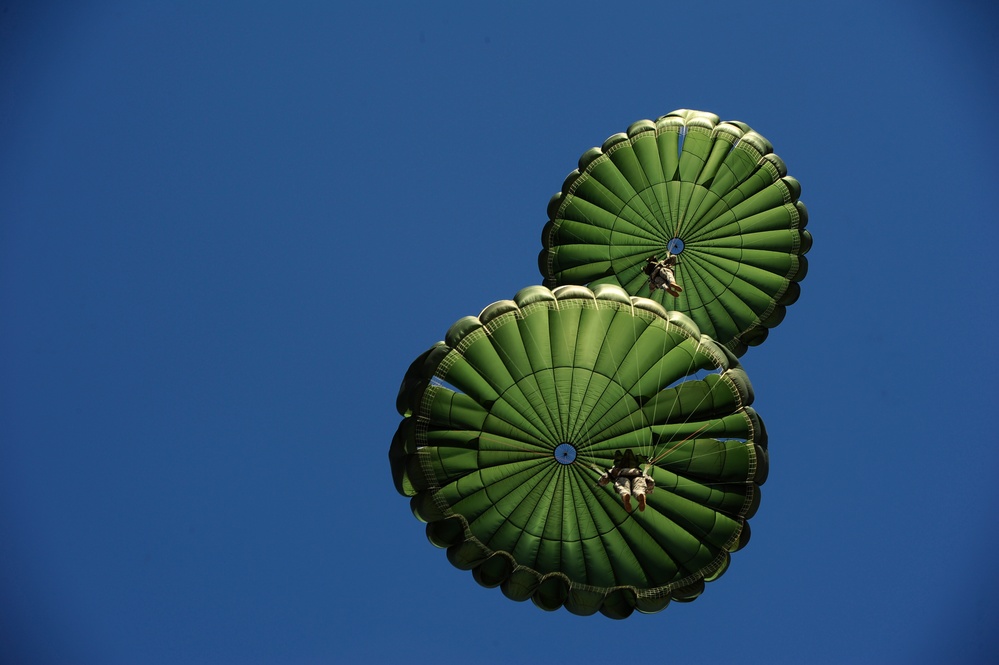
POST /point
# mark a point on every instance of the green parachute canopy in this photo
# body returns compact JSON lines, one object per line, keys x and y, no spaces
{"x":710,"y":192}
{"x":509,"y":422}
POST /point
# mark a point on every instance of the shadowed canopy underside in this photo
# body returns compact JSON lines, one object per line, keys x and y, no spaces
{"x":712,"y":193}
{"x":511,"y":419}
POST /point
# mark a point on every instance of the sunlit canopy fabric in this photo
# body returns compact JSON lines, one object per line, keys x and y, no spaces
{"x":509,"y":421}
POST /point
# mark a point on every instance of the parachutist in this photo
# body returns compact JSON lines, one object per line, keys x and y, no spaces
{"x":629,"y":478}
{"x":661,"y":275}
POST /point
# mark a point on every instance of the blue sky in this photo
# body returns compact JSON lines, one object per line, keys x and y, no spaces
{"x":228,"y":228}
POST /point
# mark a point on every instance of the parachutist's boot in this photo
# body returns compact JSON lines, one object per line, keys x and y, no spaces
{"x":627,"y":502}
{"x":641,"y":503}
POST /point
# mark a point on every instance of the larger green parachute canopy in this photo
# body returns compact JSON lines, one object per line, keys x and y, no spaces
{"x":509,"y":422}
{"x":713,"y":194}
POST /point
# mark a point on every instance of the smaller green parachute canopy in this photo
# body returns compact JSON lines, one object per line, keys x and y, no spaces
{"x":510,"y":421}
{"x":710,"y":192}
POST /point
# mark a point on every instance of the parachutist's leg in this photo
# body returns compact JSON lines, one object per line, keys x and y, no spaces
{"x":623,"y":487}
{"x":638,"y":487}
